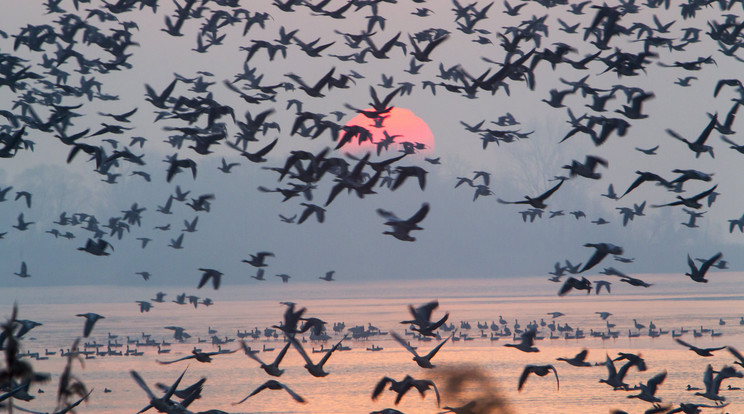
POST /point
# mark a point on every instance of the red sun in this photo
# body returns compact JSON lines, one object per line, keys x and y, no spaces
{"x":399,"y":127}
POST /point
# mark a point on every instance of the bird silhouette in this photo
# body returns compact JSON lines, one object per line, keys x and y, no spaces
{"x":698,"y":275}
{"x":539,"y":370}
{"x":425,"y":360}
{"x":537,"y":202}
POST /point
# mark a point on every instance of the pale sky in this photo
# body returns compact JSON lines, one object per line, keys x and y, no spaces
{"x":460,"y":237}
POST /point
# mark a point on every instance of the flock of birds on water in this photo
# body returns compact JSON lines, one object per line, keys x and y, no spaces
{"x":53,"y":81}
{"x":425,"y":327}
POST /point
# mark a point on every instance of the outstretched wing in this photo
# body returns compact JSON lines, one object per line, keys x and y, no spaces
{"x":548,"y":193}
{"x":404,"y":343}
{"x":423,"y":211}
{"x":710,"y":262}
{"x":523,"y":377}
{"x":380,"y":387}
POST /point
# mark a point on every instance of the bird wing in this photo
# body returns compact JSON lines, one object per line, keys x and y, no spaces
{"x":655,"y":381}
{"x":294,"y":395}
{"x":301,"y":350}
{"x":567,"y":286}
{"x":404,"y":343}
{"x":381,"y":384}
{"x":204,"y":279}
{"x":675,"y":135}
{"x":438,"y":347}
{"x":138,"y":379}
{"x":523,"y":377}
{"x":736,"y":353}
{"x":512,"y":202}
{"x":708,"y":263}
{"x":420,"y":214}
{"x":596,"y":258}
{"x":705,"y":193}
{"x":252,"y":355}
{"x":281,"y":354}
{"x":557,"y":382}
{"x":548,"y":193}
{"x":256,"y":391}
{"x":708,"y":129}
{"x":330,"y":351}
{"x":683,"y":343}
{"x":177,"y":360}
{"x":265,"y":150}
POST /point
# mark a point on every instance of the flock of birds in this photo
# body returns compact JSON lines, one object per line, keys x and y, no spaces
{"x":56,"y":90}
{"x":423,"y":327}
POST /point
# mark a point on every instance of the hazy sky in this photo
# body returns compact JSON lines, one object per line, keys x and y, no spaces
{"x":461,"y":237}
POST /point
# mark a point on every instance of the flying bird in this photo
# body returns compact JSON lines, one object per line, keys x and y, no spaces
{"x":698,"y":275}
{"x":215,"y":275}
{"x":273,"y":385}
{"x":537,"y":202}
{"x":539,"y":370}
{"x":402,"y":228}
{"x":90,"y":320}
{"x":425,"y":360}
{"x":602,"y":250}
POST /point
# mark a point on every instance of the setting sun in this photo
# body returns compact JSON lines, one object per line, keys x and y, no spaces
{"x":397,"y":127}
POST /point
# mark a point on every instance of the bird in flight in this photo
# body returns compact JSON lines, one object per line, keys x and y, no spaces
{"x":698,"y":274}
{"x":537,"y":202}
{"x":402,"y":228}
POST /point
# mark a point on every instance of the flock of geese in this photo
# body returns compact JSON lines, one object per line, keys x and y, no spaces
{"x":426,"y":326}
{"x":59,"y":79}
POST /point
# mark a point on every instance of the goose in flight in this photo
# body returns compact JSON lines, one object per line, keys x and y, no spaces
{"x":703,"y":352}
{"x":422,"y":318}
{"x":527,"y":344}
{"x":316,"y":370}
{"x":713,"y":384}
{"x":698,"y":146}
{"x":648,"y":151}
{"x":199,"y":356}
{"x":24,"y":271}
{"x":691,"y":202}
{"x":90,"y":320}
{"x":402,"y":387}
{"x":285,"y":277}
{"x":537,"y":202}
{"x":574,"y":283}
{"x":615,"y":378}
{"x":273,"y":385}
{"x":698,"y":275}
{"x":587,"y":169}
{"x":177,"y":243}
{"x":579,"y":360}
{"x":215,"y":275}
{"x":402,"y":228}
{"x":22,"y":225}
{"x":272,"y":368}
{"x":258,"y":260}
{"x":259,"y":274}
{"x":604,"y":315}
{"x":602,"y":250}
{"x":328,"y":276}
{"x":539,"y":370}
{"x":164,"y":403}
{"x":425,"y":360}
{"x":176,"y":165}
{"x":644,"y":176}
{"x":648,"y":390}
